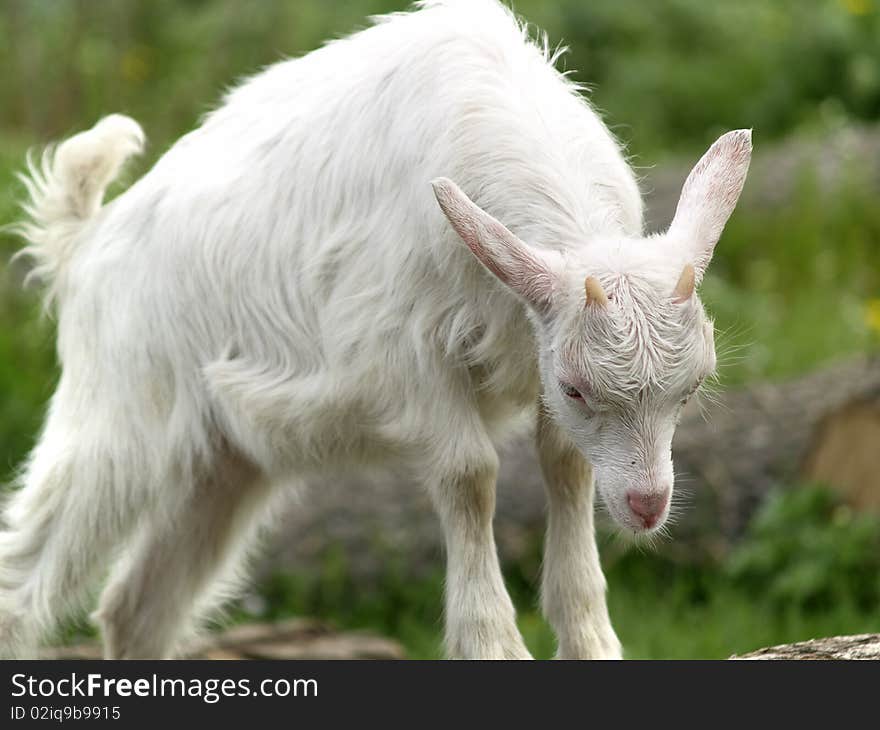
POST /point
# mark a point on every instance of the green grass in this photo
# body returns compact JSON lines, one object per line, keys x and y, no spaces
{"x":807,"y":567}
{"x":667,"y":625}
{"x":659,"y":610}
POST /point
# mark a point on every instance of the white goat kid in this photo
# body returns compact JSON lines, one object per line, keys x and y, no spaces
{"x":280,"y":298}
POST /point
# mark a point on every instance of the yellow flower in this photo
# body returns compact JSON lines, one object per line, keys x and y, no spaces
{"x":858,"y":7}
{"x":872,"y":314}
{"x":136,"y":66}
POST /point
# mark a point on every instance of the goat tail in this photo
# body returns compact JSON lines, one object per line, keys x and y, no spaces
{"x":66,"y":186}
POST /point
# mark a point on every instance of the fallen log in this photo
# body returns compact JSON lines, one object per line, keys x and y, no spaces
{"x":292,"y":639}
{"x":818,"y":428}
{"x":861,"y":646}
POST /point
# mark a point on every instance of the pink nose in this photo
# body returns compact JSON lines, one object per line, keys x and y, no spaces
{"x":648,"y":506}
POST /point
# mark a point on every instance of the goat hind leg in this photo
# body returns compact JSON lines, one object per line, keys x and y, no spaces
{"x":179,"y":567}
{"x":73,"y":508}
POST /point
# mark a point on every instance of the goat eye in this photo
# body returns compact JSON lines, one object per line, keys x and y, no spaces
{"x":571,"y":391}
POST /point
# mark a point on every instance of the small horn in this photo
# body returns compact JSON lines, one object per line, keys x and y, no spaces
{"x":595,"y":292}
{"x":684,"y":290}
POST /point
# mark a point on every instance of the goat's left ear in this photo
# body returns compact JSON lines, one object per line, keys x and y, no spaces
{"x":709,"y":196}
{"x":529,"y":272}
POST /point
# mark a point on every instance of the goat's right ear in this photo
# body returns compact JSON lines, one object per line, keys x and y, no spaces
{"x":709,"y":196}
{"x":529,"y":272}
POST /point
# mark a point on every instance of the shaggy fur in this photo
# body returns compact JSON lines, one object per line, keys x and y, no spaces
{"x":281,"y":297}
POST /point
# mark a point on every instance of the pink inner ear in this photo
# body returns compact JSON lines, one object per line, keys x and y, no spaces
{"x":710,"y":194}
{"x":513,"y":262}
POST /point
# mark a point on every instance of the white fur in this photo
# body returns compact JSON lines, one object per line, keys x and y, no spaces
{"x":280,"y":298}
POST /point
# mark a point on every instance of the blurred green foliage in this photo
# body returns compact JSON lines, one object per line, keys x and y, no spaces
{"x":669,"y":74}
{"x":791,"y":285}
{"x":806,"y":549}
